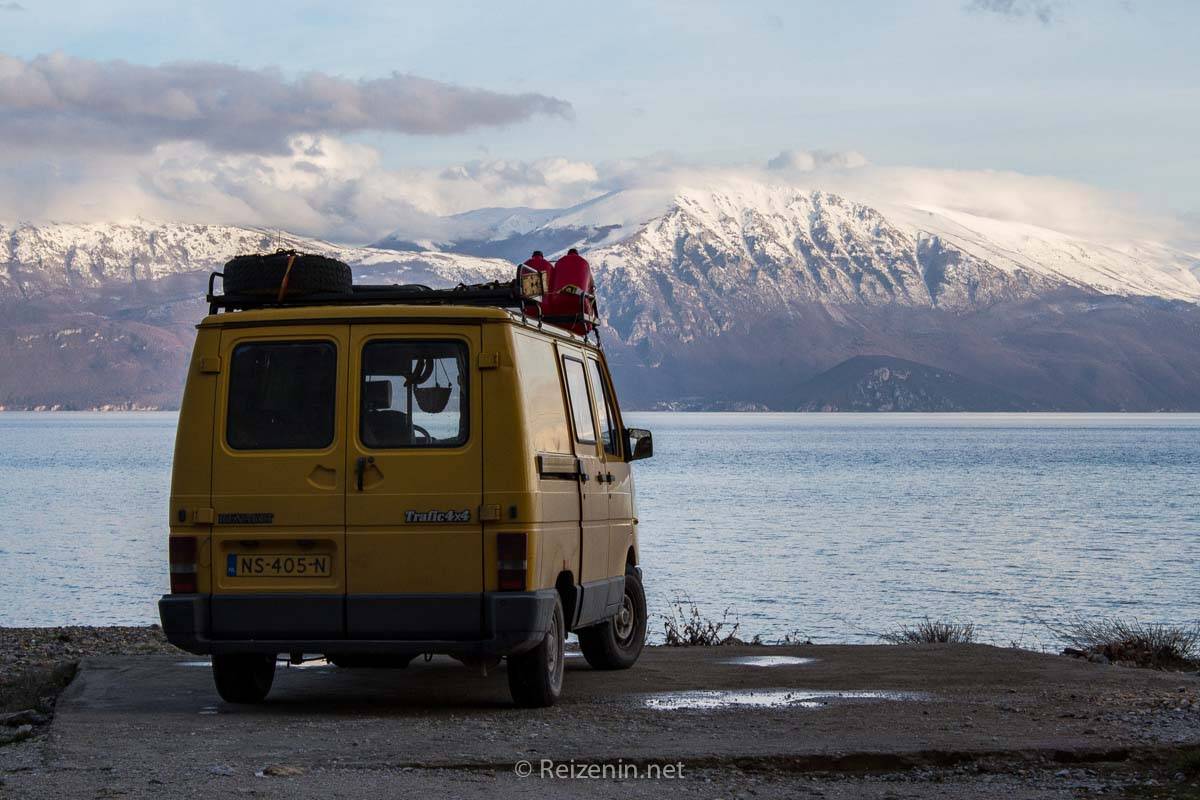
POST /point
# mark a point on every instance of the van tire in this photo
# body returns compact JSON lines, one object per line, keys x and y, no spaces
{"x":535,"y":677}
{"x":263,"y":274}
{"x":243,"y":677}
{"x":616,"y":643}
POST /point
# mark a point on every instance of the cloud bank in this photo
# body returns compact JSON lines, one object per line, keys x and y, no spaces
{"x":57,"y":101}
{"x":322,"y":185}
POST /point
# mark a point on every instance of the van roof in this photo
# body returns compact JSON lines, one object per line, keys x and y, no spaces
{"x":317,"y":314}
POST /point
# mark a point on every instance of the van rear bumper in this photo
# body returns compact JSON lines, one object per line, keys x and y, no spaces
{"x":504,"y":623}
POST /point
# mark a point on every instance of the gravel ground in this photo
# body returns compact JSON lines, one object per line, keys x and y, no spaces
{"x":24,"y":648}
{"x":36,"y":664}
{"x":377,"y":733}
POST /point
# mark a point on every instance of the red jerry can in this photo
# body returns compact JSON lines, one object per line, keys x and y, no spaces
{"x":570,"y":303}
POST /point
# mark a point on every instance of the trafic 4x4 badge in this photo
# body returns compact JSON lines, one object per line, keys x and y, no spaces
{"x":437,"y":516}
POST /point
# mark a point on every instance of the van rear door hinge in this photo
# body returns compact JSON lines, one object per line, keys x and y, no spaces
{"x":489,"y":360}
{"x":203,"y":516}
{"x":210,"y":365}
{"x":489,"y":512}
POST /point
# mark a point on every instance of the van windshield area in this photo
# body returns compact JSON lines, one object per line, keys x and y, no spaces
{"x":413,"y":394}
{"x":282,"y":396}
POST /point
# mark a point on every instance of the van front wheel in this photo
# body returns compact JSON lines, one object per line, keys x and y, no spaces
{"x":617,"y":643}
{"x":535,"y":677}
{"x":243,"y":677}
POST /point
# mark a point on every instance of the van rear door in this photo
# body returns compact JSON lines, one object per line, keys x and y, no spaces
{"x":278,"y":489}
{"x":414,"y":467}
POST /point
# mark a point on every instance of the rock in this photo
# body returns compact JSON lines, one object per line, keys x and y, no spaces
{"x":25,"y":717}
{"x":281,"y":771}
{"x":21,"y":733}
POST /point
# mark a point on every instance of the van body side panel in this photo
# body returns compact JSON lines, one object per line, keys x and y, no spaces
{"x":278,"y":546}
{"x":620,"y":486}
{"x":414,"y":538}
{"x":191,"y":468}
{"x":593,"y":491}
{"x":550,"y":509}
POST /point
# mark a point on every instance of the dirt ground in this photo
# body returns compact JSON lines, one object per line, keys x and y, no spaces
{"x":822,"y":721}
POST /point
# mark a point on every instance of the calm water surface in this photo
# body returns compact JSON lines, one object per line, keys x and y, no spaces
{"x":835,"y":526}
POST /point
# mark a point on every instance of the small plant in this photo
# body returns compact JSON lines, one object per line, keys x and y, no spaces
{"x":929,"y":631}
{"x":792,"y":639}
{"x":1156,"y":645}
{"x":686,"y":626}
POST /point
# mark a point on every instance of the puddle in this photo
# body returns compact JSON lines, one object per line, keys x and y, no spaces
{"x":769,"y":661}
{"x":205,"y":664}
{"x":765,"y":698}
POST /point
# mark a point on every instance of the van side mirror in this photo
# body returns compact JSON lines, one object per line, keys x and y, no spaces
{"x":639,"y":443}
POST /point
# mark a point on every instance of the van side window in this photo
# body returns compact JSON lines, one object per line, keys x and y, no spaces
{"x":413,"y":394}
{"x":608,"y":436}
{"x":282,"y":396}
{"x":542,"y":395}
{"x":581,"y":408}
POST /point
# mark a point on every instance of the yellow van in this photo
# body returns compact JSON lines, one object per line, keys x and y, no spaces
{"x":375,"y":473}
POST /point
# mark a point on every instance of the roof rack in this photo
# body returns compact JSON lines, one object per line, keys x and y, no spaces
{"x":527,"y":287}
{"x":503,"y":294}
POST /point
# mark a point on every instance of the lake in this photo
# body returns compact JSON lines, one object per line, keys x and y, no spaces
{"x":832,"y":526}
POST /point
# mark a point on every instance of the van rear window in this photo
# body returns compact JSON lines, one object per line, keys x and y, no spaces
{"x":282,"y":396}
{"x":413,"y":394}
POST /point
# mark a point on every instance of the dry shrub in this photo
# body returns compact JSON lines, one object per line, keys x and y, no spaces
{"x":1157,"y":645}
{"x":686,"y":626}
{"x":929,"y":631}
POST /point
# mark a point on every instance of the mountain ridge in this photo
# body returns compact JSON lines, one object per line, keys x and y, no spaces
{"x":730,"y":298}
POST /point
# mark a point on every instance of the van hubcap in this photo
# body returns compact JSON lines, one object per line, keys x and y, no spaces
{"x":624,"y":623}
{"x":554,"y":653}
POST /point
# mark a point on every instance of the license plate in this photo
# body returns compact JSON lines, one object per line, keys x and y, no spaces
{"x":277,"y":565}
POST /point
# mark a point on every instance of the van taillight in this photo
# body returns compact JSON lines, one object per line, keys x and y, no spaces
{"x":183,"y":564}
{"x":510,"y":552}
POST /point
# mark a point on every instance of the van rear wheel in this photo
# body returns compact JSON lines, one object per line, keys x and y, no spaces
{"x":535,"y":677}
{"x":617,"y":643}
{"x":243,"y":677}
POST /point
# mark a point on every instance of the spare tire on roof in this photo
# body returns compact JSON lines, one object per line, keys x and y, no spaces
{"x":260,"y":274}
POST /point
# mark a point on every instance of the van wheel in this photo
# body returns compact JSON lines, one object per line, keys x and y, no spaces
{"x":243,"y":678}
{"x":535,"y":677}
{"x":617,"y":643}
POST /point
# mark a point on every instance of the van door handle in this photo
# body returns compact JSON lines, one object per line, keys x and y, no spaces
{"x":360,"y":469}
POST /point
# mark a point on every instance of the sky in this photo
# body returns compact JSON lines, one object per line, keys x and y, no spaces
{"x":349,"y":119}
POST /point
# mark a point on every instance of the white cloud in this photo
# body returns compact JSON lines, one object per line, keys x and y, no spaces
{"x":809,"y":160}
{"x":325,"y":186}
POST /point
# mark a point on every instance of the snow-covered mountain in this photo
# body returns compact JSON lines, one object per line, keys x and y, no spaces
{"x":744,"y":295}
{"x":793,"y":244}
{"x":40,"y":260}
